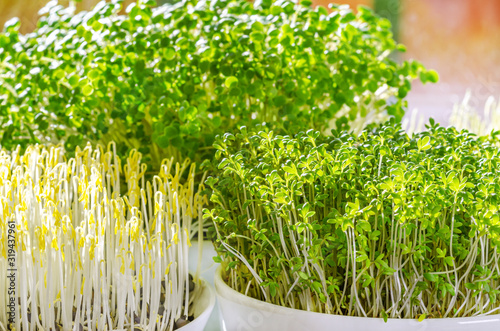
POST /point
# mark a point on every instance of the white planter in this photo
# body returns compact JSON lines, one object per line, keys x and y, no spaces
{"x":202,"y":309}
{"x":242,"y":313}
{"x":207,"y":272}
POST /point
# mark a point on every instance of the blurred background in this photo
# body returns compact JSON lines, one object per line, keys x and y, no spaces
{"x":458,"y":38}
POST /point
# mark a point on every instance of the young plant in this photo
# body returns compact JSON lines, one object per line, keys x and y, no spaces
{"x":88,"y":257}
{"x":375,"y":225}
{"x":166,"y":80}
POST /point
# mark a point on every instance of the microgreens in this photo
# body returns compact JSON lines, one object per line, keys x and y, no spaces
{"x":375,"y":225}
{"x":166,"y":80}
{"x":87,"y":256}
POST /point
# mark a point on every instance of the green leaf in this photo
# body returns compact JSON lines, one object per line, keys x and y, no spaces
{"x":449,"y":260}
{"x":257,"y":36}
{"x":290,"y":170}
{"x":43,"y":125}
{"x":273,"y":289}
{"x":432,"y":76}
{"x":87,"y":90}
{"x":94,"y":75}
{"x":310,"y":214}
{"x":430,"y":277}
{"x":188,"y":114}
{"x":169,"y":53}
{"x":279,"y":101}
{"x":74,"y":80}
{"x":231,"y":81}
{"x":163,"y":141}
{"x":384,"y":315}
{"x":361,"y":258}
{"x":97,"y":26}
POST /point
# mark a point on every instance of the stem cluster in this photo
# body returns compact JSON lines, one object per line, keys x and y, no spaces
{"x":90,"y":256}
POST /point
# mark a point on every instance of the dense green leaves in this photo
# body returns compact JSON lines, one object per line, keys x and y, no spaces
{"x":166,"y":80}
{"x":391,"y":226}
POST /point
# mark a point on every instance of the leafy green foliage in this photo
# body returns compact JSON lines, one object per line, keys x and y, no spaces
{"x":166,"y":80}
{"x":380,"y":224}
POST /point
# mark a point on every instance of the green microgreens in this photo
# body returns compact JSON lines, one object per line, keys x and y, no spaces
{"x":166,"y":80}
{"x":376,"y":225}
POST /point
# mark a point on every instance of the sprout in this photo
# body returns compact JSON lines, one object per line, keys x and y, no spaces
{"x":375,"y":225}
{"x":97,"y":246}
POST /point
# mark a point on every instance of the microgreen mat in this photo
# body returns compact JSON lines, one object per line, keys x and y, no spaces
{"x":376,"y":225}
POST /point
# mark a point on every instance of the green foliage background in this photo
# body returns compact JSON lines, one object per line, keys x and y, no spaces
{"x":377,"y":225}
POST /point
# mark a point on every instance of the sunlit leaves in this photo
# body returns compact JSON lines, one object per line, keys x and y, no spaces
{"x":394,"y":210}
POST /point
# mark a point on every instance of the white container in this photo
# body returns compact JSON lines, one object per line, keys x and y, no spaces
{"x":242,"y":313}
{"x":206,"y":271}
{"x":202,"y":309}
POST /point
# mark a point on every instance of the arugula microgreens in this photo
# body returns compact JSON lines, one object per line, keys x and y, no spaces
{"x":165,"y":80}
{"x":88,"y":257}
{"x":375,"y":225}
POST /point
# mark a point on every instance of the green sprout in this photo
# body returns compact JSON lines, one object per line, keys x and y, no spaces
{"x":165,"y":80}
{"x":378,"y":224}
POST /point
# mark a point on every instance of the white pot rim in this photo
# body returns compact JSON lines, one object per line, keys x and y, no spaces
{"x":202,"y":308}
{"x":226,"y":292}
